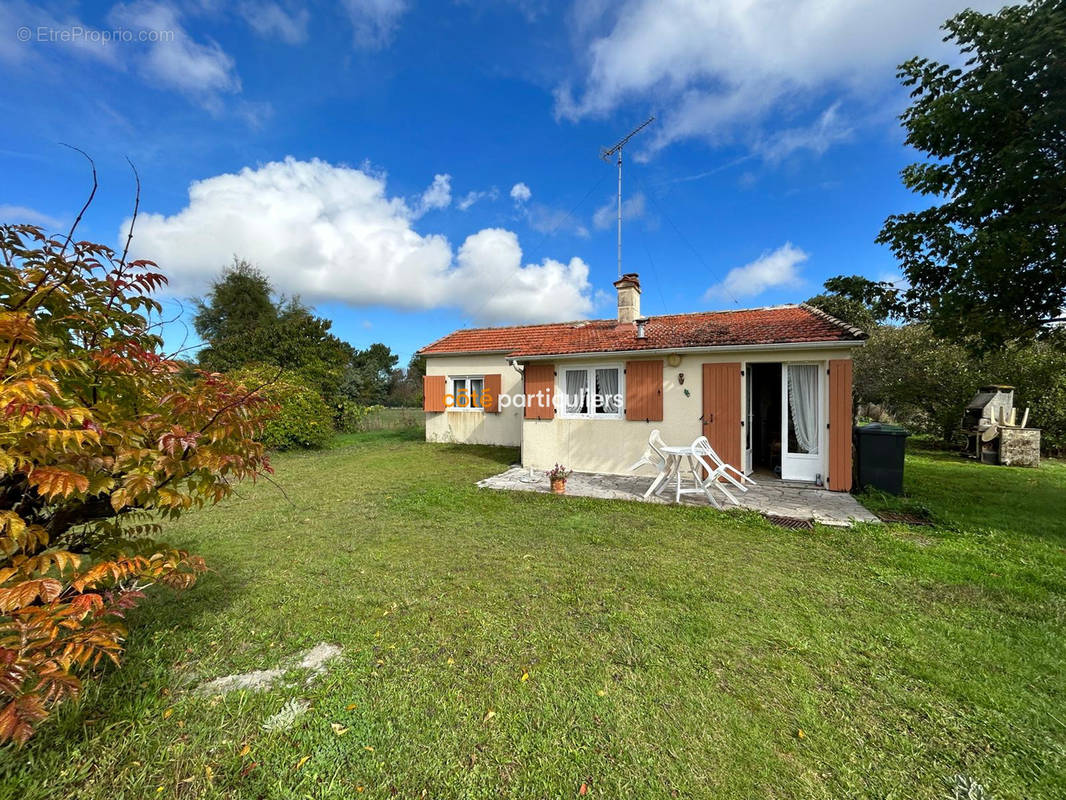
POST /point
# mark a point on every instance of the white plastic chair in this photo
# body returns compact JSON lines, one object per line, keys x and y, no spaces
{"x":702,"y":446}
{"x":654,"y":456}
{"x":709,"y":471}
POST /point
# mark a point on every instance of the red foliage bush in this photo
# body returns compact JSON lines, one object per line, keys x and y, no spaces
{"x":100,"y":436}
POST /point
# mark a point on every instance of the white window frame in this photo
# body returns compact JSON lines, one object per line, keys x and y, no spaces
{"x":451,"y":391}
{"x":590,"y":370}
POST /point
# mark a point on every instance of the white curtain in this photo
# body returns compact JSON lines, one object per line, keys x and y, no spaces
{"x":576,"y":391}
{"x":477,"y":386}
{"x":607,"y":389}
{"x":803,"y":405}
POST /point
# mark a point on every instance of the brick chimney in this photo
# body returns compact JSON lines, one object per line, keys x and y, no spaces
{"x":628,"y":287}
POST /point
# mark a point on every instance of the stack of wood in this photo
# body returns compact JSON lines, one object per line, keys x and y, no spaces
{"x":994,"y":432}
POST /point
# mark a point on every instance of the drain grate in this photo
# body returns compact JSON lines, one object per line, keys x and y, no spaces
{"x":792,"y":523}
{"x":904,"y":518}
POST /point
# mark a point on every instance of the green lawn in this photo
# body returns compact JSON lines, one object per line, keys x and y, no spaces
{"x":522,"y":645}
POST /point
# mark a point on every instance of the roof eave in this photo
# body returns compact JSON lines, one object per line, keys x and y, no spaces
{"x":837,"y":344}
{"x":434,"y":353}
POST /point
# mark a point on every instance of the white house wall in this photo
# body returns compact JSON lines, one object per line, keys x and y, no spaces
{"x":472,"y":426}
{"x":613,"y":445}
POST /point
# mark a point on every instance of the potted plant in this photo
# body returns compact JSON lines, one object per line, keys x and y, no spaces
{"x":558,"y":475}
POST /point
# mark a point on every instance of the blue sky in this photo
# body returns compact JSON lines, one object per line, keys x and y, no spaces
{"x":409,"y":168}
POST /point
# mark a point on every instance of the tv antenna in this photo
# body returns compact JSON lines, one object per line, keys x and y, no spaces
{"x":606,"y":154}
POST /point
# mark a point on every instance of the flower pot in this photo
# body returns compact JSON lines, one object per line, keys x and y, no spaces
{"x":559,"y":485}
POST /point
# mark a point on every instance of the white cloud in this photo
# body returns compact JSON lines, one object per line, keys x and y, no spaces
{"x":520,"y":193}
{"x":24,"y":215}
{"x":633,"y":207}
{"x":329,"y":232}
{"x":199,"y":69}
{"x":491,"y":259}
{"x":271,"y":20}
{"x":374,"y":21}
{"x":817,"y":138}
{"x":729,"y":68}
{"x":437,"y":196}
{"x":472,"y":197}
{"x":770,"y":270}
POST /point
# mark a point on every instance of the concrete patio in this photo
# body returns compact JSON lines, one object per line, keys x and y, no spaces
{"x":771,"y":495}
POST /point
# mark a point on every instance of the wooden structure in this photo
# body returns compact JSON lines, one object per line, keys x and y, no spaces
{"x":994,"y":432}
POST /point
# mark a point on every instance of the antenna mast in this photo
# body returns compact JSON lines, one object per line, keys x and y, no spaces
{"x":606,"y":154}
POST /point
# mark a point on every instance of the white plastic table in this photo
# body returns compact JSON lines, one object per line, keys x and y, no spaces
{"x":675,"y":458}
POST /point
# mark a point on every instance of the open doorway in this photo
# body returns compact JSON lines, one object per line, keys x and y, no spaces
{"x":764,"y":418}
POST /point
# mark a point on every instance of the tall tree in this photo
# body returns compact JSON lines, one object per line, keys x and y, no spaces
{"x":988,"y":258}
{"x":369,"y":374}
{"x":858,"y":301}
{"x":242,"y":324}
{"x":302,"y":343}
{"x":405,"y":386}
{"x":234,"y":315}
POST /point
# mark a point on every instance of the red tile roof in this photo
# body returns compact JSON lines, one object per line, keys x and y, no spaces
{"x":776,"y":325}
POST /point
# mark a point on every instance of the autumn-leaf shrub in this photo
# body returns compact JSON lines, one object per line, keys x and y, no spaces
{"x":100,"y":437}
{"x":298,"y":418}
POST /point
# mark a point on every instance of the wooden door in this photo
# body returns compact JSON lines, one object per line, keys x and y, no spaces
{"x":721,"y":410}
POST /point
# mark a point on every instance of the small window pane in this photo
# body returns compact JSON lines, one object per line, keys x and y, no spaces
{"x":459,"y":392}
{"x":476,"y":388}
{"x":607,"y":399}
{"x":577,"y":389}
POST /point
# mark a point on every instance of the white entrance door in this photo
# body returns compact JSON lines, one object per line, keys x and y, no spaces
{"x":749,"y":417}
{"x":801,"y":423}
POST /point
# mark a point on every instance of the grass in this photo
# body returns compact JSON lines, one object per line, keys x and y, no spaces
{"x":523,"y":645}
{"x":391,"y":419}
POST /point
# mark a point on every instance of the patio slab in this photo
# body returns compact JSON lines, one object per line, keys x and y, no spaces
{"x":770,"y":496}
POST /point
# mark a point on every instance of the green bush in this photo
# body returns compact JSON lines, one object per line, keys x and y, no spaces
{"x":350,"y":416}
{"x":302,"y":418}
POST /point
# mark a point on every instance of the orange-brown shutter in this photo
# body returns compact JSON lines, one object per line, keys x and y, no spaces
{"x":491,"y":397}
{"x":839,"y":478}
{"x":644,"y":390}
{"x":540,"y":379}
{"x":433,"y":393}
{"x":721,"y":410}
